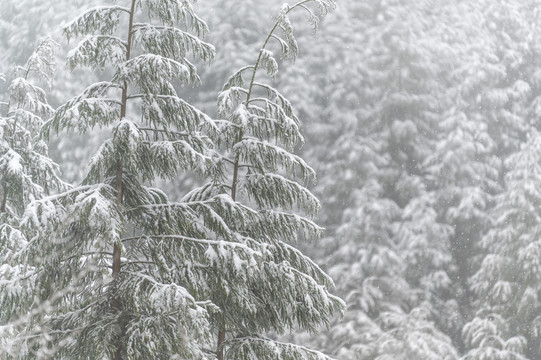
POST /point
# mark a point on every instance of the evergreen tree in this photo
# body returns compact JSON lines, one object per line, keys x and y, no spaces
{"x":386,"y":242}
{"x":100,"y":291}
{"x":121,"y":272}
{"x":494,"y":92}
{"x":26,"y":173}
{"x":264,"y":185}
{"x":507,"y":324}
{"x":22,"y":23}
{"x":238,"y":47}
{"x":418,"y":118}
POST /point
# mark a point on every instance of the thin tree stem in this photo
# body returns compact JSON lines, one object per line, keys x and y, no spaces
{"x":221,"y":331}
{"x":4,"y":201}
{"x":221,"y":339}
{"x":117,"y":250}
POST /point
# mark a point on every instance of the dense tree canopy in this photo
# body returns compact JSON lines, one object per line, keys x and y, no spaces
{"x":420,"y":119}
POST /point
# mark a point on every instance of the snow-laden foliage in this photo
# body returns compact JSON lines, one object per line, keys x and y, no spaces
{"x":416,"y":116}
{"x":508,"y":278}
{"x":378,"y":105}
{"x":409,"y":104}
{"x":117,"y":270}
{"x":100,"y":292}
{"x":26,"y":174}
{"x":263,"y":203}
{"x":487,"y":337}
{"x":264,"y":348}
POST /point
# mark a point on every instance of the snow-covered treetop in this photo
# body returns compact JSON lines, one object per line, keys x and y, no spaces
{"x":26,"y":172}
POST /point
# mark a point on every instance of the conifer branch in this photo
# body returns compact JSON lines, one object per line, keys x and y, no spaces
{"x":243,"y":145}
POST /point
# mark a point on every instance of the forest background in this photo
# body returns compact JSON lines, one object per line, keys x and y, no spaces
{"x":421,"y":120}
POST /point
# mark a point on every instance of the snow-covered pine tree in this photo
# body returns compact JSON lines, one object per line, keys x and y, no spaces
{"x":113,"y":271}
{"x":385,"y":242}
{"x":493,"y":88}
{"x":507,"y":285}
{"x":26,"y":174}
{"x":269,"y":207}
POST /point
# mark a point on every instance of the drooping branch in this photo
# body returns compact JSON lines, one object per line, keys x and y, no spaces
{"x":263,"y":55}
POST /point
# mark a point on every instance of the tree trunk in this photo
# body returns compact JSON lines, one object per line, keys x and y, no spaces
{"x":117,"y":250}
{"x":221,"y":339}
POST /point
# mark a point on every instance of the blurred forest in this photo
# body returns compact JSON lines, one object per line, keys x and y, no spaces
{"x":421,"y":119}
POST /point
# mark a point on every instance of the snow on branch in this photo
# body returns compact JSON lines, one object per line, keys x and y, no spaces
{"x":301,"y":263}
{"x":172,"y":12}
{"x":224,"y":216}
{"x":241,"y":258}
{"x":275,"y":96}
{"x":159,"y":297}
{"x":270,"y":123}
{"x":41,"y":63}
{"x":127,"y":138}
{"x":162,"y":110}
{"x":19,"y":186}
{"x":84,"y":114}
{"x":288,"y":44}
{"x":91,"y":205}
{"x":172,"y":42}
{"x":11,"y":164}
{"x":29,"y":97}
{"x":96,"y":51}
{"x":266,"y":122}
{"x":161,"y":158}
{"x":152,"y":73}
{"x":257,"y":347}
{"x":205,"y":192}
{"x":273,"y":190}
{"x":266,"y":156}
{"x":90,"y":109}
{"x":101,"y":19}
{"x":185,"y":153}
{"x":269,"y":63}
{"x":236,"y":80}
{"x":26,"y":120}
{"x":228,"y":97}
{"x":280,"y":225}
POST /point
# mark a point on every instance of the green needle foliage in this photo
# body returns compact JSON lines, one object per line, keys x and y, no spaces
{"x":108,"y":265}
{"x":263,"y":199}
{"x":117,"y":270}
{"x":26,"y":174}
